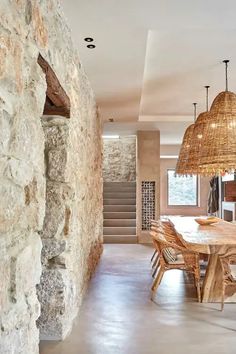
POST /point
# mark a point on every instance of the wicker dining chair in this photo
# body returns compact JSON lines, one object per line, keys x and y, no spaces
{"x":186,"y":260}
{"x":228,"y":264}
{"x":166,"y":226}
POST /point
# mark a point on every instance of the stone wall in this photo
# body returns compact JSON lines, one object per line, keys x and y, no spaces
{"x":119,"y":159}
{"x":50,"y":179}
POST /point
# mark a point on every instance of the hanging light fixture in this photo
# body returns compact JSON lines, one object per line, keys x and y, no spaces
{"x":192,"y":166}
{"x":218,"y":147}
{"x":182,"y":161}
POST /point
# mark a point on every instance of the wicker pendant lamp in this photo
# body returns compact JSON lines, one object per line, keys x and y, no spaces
{"x":182,"y":162}
{"x":218,"y":147}
{"x":199,"y":132}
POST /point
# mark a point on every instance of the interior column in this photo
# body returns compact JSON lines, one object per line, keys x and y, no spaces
{"x":148,"y":182}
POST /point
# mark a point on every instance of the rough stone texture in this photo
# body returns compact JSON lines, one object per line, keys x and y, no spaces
{"x":119,"y":159}
{"x":57,"y":291}
{"x":53,"y":162}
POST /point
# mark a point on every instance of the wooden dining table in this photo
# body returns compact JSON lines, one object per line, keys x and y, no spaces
{"x":215,"y":239}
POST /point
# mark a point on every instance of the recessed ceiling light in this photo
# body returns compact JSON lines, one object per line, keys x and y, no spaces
{"x":168,"y":156}
{"x":111,"y":136}
{"x":88,"y":39}
{"x":91,"y":46}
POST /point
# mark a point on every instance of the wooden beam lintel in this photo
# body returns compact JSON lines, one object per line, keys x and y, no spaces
{"x":52,"y":110}
{"x":56,"y":95}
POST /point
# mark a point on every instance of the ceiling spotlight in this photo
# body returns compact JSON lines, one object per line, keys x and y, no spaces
{"x":91,"y":46}
{"x":88,"y":39}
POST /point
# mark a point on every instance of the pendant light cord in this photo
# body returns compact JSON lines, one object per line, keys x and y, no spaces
{"x":195,"y":111}
{"x":226,"y":74}
{"x":207,"y":97}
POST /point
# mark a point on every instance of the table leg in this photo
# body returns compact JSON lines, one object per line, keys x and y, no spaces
{"x":212,"y":285}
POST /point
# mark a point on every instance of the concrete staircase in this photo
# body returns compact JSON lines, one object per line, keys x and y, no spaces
{"x":119,"y":211}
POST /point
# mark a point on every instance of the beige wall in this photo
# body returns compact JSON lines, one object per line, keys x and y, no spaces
{"x":188,"y":210}
{"x":148,"y":169}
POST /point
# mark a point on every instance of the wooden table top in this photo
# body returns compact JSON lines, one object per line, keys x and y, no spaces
{"x":215,"y":238}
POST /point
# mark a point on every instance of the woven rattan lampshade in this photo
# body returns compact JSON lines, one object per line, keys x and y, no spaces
{"x":182,"y":165}
{"x":182,"y":162}
{"x":218,"y":147}
{"x":199,"y":131}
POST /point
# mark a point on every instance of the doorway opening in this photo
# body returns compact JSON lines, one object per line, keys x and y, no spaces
{"x":119,"y":189}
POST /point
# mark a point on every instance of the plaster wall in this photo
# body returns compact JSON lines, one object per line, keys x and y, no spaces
{"x":148,"y":169}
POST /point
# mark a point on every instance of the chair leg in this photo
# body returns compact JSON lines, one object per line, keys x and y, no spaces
{"x":154,"y":253}
{"x":156,"y":268}
{"x":198,"y":290}
{"x":223,"y":297}
{"x":197,"y":277}
{"x":157,"y":281}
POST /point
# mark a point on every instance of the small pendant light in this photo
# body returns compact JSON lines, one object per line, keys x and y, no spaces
{"x":182,"y":163}
{"x":218,"y":147}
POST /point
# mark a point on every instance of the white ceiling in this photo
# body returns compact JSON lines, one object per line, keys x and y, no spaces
{"x":153,"y":57}
{"x":168,"y":133}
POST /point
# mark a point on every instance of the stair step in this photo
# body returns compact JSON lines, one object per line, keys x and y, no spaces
{"x":120,"y":184}
{"x":119,"y":211}
{"x":119,"y":215}
{"x":119,"y":195}
{"x":118,"y":201}
{"x":119,"y":208}
{"x":119,"y":223}
{"x":119,"y":189}
{"x":119,"y":230}
{"x":120,"y":239}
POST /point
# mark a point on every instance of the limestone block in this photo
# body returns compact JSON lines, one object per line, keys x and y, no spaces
{"x":5,"y":281}
{"x":21,"y":272}
{"x":18,"y":333}
{"x":19,"y":171}
{"x":41,"y":32}
{"x":28,"y":12}
{"x":5,"y":129}
{"x":51,"y":249}
{"x":58,"y":195}
{"x":27,"y":140}
{"x":56,"y":132}
{"x":34,"y":195}
{"x":11,"y":206}
{"x":55,"y":292}
{"x":24,"y":278}
{"x":57,"y":165}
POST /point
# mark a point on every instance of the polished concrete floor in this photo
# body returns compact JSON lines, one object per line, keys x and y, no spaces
{"x":118,"y":317}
